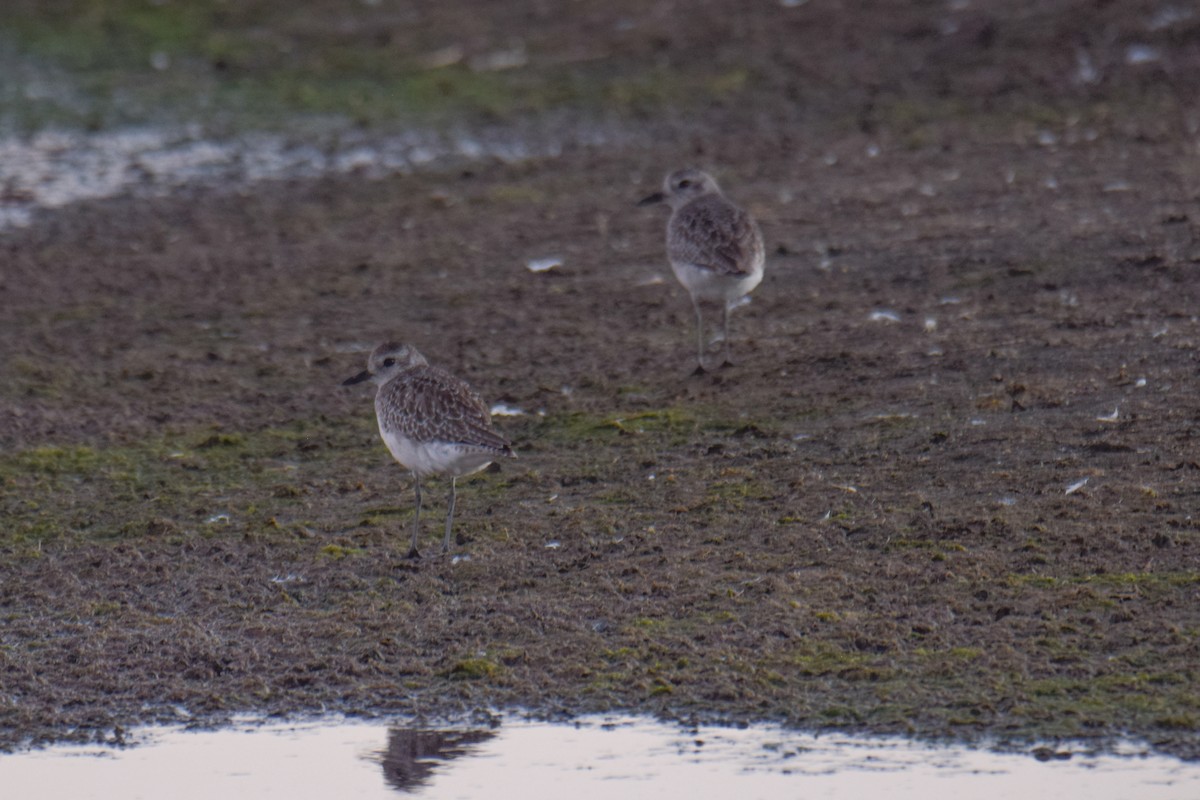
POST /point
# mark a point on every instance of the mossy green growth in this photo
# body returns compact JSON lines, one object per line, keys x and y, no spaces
{"x":736,"y":490}
{"x":474,"y":669}
{"x":673,"y":425}
{"x":338,"y":552}
{"x":255,"y":62}
{"x":1073,"y":702}
{"x":954,"y":654}
{"x":202,"y":481}
{"x":662,"y":420}
{"x":53,"y":461}
{"x":98,"y":35}
{"x":819,"y":659}
{"x":1113,"y":581}
{"x":648,"y":624}
{"x":1139,"y":580}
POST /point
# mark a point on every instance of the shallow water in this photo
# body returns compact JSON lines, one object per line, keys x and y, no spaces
{"x":592,"y":758}
{"x":53,"y":168}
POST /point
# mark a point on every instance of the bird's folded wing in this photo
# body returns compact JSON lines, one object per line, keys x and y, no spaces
{"x":430,"y":405}
{"x":711,"y":237}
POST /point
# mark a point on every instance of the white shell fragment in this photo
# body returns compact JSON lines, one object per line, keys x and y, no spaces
{"x":543,"y":264}
{"x":1141,"y":54}
{"x":505,"y":410}
{"x":1076,"y":486}
{"x":892,"y":416}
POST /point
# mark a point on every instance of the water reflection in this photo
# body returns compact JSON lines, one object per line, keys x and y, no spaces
{"x":593,"y":758}
{"x":413,"y":754}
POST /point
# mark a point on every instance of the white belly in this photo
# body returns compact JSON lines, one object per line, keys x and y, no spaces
{"x":436,"y":458}
{"x":704,"y":284}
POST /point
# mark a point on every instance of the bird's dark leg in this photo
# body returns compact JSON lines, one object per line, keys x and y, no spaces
{"x":725,"y":362}
{"x":449,"y":518}
{"x":699,"y":338}
{"x":412,"y":550}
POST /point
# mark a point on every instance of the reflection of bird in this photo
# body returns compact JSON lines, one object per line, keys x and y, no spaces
{"x":432,"y":422}
{"x":411,"y":755}
{"x":715,"y":248}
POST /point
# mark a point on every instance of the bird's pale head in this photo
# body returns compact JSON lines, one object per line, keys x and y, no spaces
{"x":386,"y":361}
{"x":683,"y":186}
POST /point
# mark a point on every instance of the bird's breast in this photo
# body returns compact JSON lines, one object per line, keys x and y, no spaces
{"x":435,"y":458}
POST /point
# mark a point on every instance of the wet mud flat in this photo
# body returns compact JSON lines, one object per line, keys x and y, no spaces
{"x":948,"y":490}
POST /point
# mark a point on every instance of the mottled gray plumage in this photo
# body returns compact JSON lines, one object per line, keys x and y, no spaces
{"x":432,"y":422}
{"x":711,"y":233}
{"x":715,"y":248}
{"x":427,"y":405}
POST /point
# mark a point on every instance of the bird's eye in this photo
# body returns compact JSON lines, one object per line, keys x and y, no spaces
{"x":389,"y":362}
{"x":685,"y":183}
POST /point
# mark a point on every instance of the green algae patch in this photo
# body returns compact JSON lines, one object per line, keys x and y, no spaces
{"x":473,"y":669}
{"x":199,"y":483}
{"x":819,"y":659}
{"x":54,"y":461}
{"x":133,"y":61}
{"x":338,"y":552}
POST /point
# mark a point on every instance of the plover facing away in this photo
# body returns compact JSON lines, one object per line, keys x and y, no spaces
{"x":432,"y":422}
{"x":715,"y":248}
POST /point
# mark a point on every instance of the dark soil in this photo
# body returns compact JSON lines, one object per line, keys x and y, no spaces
{"x":868,"y":523}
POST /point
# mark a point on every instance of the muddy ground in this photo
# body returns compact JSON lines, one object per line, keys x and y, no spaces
{"x":979,"y":294}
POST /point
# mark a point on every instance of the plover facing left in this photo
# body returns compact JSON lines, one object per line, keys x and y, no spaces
{"x":432,"y":422}
{"x":715,"y":248}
